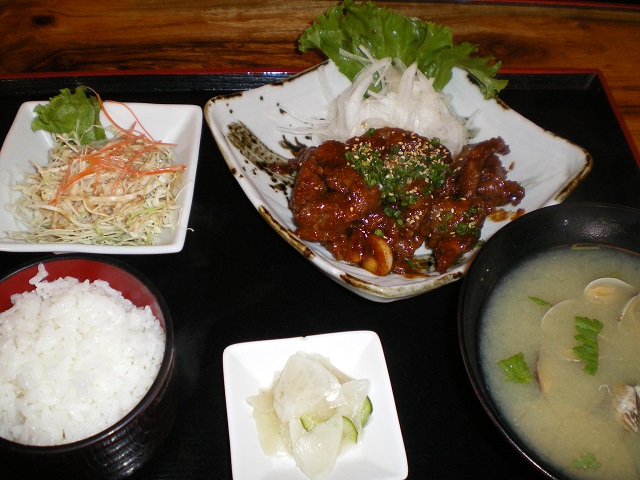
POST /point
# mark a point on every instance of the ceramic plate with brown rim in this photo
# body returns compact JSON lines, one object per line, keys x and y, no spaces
{"x":251,"y":129}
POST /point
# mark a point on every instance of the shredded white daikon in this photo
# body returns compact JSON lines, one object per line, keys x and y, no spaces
{"x":406,"y":99}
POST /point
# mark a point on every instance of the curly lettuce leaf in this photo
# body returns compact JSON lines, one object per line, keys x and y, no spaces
{"x":385,"y":33}
{"x":74,"y":114}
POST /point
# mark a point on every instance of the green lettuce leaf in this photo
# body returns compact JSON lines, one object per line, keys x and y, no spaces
{"x":72,"y":114}
{"x":385,"y":33}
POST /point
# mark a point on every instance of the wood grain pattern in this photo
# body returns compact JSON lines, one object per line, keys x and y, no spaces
{"x":241,"y":35}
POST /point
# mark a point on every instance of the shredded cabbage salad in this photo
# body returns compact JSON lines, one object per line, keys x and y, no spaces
{"x":118,"y":191}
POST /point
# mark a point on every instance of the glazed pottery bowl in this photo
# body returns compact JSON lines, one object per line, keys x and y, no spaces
{"x":122,"y":448}
{"x":592,"y":225}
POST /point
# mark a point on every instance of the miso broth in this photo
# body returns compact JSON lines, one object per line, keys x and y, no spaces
{"x":584,"y":424}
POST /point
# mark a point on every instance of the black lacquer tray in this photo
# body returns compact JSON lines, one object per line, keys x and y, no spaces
{"x":236,"y":280}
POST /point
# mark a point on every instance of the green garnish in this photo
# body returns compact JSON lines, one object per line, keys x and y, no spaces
{"x":74,"y":114}
{"x":344,"y":29}
{"x":539,"y":301}
{"x":587,"y":461}
{"x":586,"y":248}
{"x":471,"y":228}
{"x":515,"y":369}
{"x":587,"y":337}
{"x":367,"y":410}
{"x":398,"y":169}
{"x":473,"y":210}
{"x":438,"y":173}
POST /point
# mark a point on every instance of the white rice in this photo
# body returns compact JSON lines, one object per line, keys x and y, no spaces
{"x":75,"y":357}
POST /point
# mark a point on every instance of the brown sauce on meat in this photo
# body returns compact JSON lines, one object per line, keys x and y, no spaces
{"x":375,"y":199}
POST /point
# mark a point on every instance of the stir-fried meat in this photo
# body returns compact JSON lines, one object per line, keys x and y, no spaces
{"x":329,"y":195}
{"x":375,"y":199}
{"x":483,"y":175}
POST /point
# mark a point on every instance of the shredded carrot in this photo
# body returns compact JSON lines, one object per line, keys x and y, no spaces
{"x":112,"y":156}
{"x":106,"y":113}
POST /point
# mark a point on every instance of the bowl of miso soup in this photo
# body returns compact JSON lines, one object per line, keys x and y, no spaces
{"x":549,"y":329}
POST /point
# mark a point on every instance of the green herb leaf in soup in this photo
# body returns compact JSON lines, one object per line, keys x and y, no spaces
{"x":587,"y":348}
{"x":587,"y":461}
{"x":540,"y":301}
{"x":515,"y":369}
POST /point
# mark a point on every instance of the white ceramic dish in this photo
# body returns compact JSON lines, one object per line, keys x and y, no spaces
{"x":179,"y":124}
{"x":548,"y":166}
{"x":249,"y":367}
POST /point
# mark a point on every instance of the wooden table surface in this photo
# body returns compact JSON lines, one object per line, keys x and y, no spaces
{"x":241,"y":35}
{"x":60,"y":36}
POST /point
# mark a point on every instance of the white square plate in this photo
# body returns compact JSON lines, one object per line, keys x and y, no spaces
{"x":548,"y":166}
{"x":250,"y":367}
{"x":179,"y":124}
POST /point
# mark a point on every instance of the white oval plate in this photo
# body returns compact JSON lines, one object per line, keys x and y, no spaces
{"x":547,"y":166}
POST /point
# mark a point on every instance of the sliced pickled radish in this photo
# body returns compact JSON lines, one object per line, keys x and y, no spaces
{"x":305,"y":386}
{"x":316,"y":450}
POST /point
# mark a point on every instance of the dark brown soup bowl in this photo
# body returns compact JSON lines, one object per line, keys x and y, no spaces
{"x":125,"y":446}
{"x":549,"y":227}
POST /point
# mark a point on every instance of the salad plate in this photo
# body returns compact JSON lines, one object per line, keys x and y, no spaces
{"x":547,"y":166}
{"x":177,"y":124}
{"x":249,"y":367}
